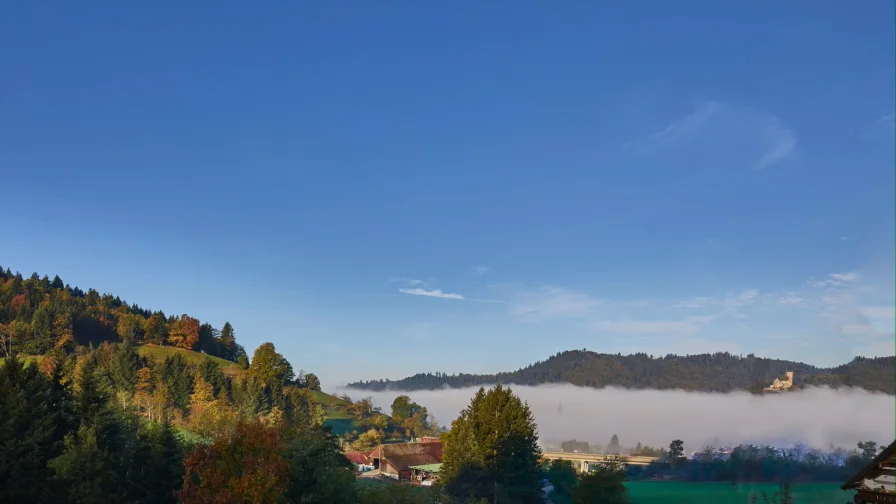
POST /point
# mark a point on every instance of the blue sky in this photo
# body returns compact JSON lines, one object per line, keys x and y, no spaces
{"x":382,"y":190}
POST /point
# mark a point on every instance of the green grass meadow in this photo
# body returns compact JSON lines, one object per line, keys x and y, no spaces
{"x":677,"y":492}
{"x":161,"y":353}
{"x":25,"y":360}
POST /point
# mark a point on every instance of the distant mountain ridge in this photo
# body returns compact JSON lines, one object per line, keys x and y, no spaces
{"x":718,"y":372}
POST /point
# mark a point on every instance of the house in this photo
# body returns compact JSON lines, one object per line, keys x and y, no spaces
{"x":360,"y":460}
{"x":425,"y":474}
{"x":396,"y":460}
{"x":876,"y":482}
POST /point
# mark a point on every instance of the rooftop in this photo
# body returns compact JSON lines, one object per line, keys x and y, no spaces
{"x":432,"y":468}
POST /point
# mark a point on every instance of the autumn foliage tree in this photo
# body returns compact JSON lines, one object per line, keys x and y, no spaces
{"x":184,"y":333}
{"x":269,"y":366}
{"x":246,"y":466}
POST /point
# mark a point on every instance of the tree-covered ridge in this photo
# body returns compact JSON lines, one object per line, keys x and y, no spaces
{"x":718,"y":372}
{"x":106,"y":425}
{"x":38,"y":315}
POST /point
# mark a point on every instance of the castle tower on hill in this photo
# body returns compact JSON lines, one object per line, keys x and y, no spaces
{"x":780,"y":385}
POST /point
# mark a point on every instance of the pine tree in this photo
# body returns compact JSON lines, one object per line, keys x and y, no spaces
{"x":123,"y":367}
{"x":613,"y":448}
{"x":33,"y":421}
{"x":157,"y":467}
{"x":227,"y":342}
{"x":87,"y":471}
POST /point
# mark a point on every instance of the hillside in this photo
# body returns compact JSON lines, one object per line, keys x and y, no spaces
{"x":720,"y":372}
{"x":339,"y":421}
{"x":39,"y":315}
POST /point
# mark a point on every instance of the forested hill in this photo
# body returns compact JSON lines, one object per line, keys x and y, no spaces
{"x":39,"y":315}
{"x":719,"y":372}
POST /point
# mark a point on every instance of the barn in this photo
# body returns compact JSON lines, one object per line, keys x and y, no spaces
{"x":397,"y":460}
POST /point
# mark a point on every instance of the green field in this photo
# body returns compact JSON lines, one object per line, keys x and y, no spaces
{"x":25,"y":360}
{"x":676,"y":492}
{"x":161,"y":353}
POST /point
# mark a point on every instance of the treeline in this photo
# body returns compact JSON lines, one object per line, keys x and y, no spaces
{"x":39,"y":315}
{"x":78,"y":433}
{"x":753,"y":464}
{"x":406,"y":420}
{"x":718,"y":372}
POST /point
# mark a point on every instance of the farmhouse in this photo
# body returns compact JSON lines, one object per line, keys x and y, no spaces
{"x":876,"y":482}
{"x":407,"y":461}
{"x":360,"y":460}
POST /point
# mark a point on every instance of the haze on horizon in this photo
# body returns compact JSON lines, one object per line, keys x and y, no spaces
{"x":817,"y":416}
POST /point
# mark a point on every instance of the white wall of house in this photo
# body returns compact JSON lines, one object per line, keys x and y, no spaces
{"x":886,"y":480}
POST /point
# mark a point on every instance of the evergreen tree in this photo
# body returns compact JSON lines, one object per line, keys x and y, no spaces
{"x":85,"y":472}
{"x":320,"y":472}
{"x":33,"y":421}
{"x":158,"y":465}
{"x":492,"y":450}
{"x":177,"y":377}
{"x":613,"y":448}
{"x":227,"y":342}
{"x":123,"y":367}
{"x":208,"y":340}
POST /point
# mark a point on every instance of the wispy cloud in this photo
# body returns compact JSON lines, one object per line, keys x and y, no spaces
{"x":844,"y":277}
{"x":761,"y":137}
{"x":431,"y":293}
{"x":480,"y":270}
{"x":731,"y":302}
{"x":883,"y":312}
{"x":690,"y":326}
{"x":790,"y":300}
{"x":834,"y":280}
{"x":780,"y":140}
{"x":886,"y":120}
{"x":549,"y":301}
{"x":688,"y":124}
{"x":417,"y":287}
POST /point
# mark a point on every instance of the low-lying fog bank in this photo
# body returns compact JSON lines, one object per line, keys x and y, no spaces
{"x":817,"y":417}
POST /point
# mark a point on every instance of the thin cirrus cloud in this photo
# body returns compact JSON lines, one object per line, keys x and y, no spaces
{"x":883,"y":312}
{"x":690,"y":327}
{"x":436,"y":293}
{"x":762,"y":138}
{"x":551,"y":302}
{"x":480,"y":270}
{"x":835,"y":280}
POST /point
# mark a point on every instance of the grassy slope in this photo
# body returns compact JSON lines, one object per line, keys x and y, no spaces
{"x":26,"y":360}
{"x":675,"y":492}
{"x":339,"y":422}
{"x":161,"y":353}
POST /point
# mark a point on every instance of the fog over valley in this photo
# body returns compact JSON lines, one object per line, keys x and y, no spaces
{"x":817,"y":417}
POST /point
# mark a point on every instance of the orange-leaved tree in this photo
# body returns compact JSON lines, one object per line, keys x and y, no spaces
{"x":245,"y":466}
{"x":184,"y":332}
